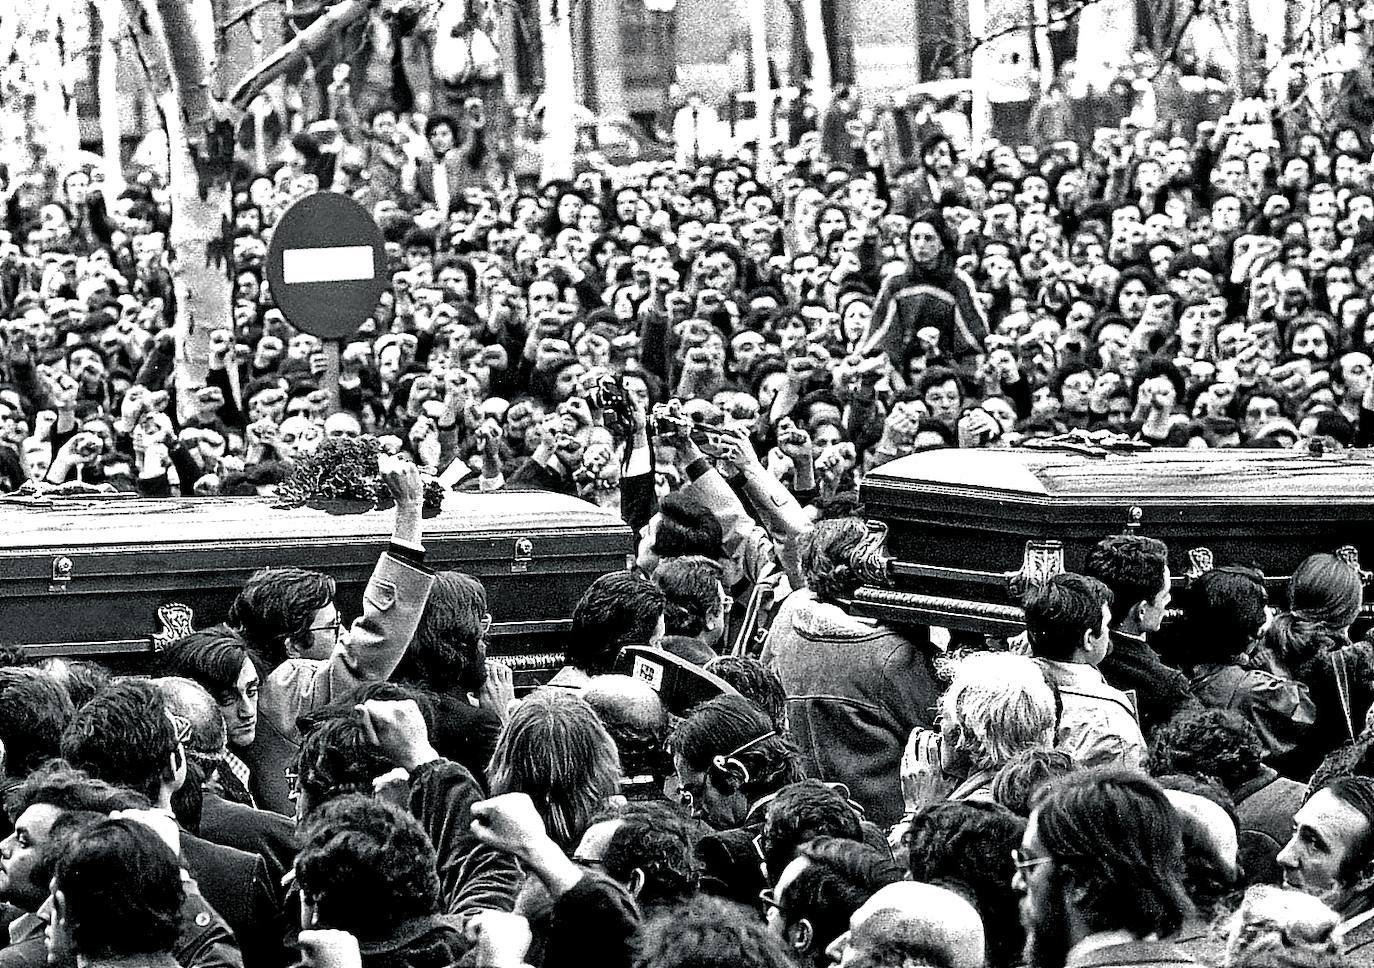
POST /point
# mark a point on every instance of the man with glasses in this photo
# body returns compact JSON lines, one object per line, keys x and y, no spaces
{"x":829,"y":879}
{"x":1100,"y":873}
{"x":291,"y":624}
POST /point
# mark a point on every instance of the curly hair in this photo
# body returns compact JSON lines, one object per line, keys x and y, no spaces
{"x":448,"y":649}
{"x":1022,"y":776}
{"x":367,"y":867}
{"x":967,"y":844}
{"x":122,"y":891}
{"x":555,"y":750}
{"x":337,"y":758}
{"x":1215,"y":744}
{"x":709,"y":933}
{"x":756,"y":682}
{"x":801,"y":812}
{"x":1132,"y":566}
{"x":1001,"y":704}
{"x":655,"y":839}
{"x":825,"y":554}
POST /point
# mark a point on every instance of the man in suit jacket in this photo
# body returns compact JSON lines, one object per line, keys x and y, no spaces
{"x":127,"y":736}
{"x":318,"y":661}
{"x":54,"y":794}
{"x":263,"y":832}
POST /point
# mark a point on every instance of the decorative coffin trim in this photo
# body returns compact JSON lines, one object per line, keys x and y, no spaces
{"x":914,"y":609}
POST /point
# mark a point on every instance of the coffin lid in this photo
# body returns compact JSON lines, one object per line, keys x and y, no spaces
{"x":1069,"y":486}
{"x":94,"y":523}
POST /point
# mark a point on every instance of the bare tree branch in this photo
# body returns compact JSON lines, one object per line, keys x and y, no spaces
{"x":242,"y":14}
{"x":304,"y":45}
{"x":1053,"y":20}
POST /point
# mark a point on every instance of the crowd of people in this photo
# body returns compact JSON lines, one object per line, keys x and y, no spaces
{"x":719,"y":350}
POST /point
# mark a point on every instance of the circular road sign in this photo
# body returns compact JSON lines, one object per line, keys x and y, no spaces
{"x":327,"y":265}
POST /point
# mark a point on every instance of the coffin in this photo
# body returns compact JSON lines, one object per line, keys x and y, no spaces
{"x":960,"y":535}
{"x":104,"y":577}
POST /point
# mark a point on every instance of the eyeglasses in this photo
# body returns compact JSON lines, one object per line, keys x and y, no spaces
{"x":770,"y":900}
{"x":336,"y":628}
{"x":1024,"y":865}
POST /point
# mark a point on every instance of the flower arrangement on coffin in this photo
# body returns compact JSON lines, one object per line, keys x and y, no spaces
{"x":344,"y":469}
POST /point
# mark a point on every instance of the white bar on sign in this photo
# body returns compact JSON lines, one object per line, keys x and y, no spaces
{"x":339,"y":263}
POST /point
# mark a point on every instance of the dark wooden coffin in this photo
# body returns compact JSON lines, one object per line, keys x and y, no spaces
{"x":90,"y":576}
{"x":960,"y":535}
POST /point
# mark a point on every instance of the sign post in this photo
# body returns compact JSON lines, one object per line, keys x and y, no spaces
{"x":327,"y":267}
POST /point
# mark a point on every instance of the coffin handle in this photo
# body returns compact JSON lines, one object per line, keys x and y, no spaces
{"x":1041,"y":561}
{"x":869,"y":559}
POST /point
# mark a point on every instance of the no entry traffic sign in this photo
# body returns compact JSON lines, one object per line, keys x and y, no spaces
{"x":327,"y":265}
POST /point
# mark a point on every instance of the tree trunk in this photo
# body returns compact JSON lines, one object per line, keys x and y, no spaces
{"x":111,"y":20}
{"x":560,"y":125}
{"x":177,"y":39}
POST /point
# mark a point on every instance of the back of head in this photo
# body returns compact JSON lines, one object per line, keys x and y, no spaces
{"x":826,"y":554}
{"x":34,"y":711}
{"x":840,"y":875}
{"x":1273,"y":925}
{"x":82,"y":678}
{"x":1211,"y":848}
{"x":1116,"y":834}
{"x":366,"y":867}
{"x":654,"y":839}
{"x":940,"y":925}
{"x":619,"y":609}
{"x":1061,"y":611}
{"x":731,"y":740}
{"x":448,"y":649}
{"x":967,"y":844}
{"x":1020,"y":779}
{"x":1132,"y":566}
{"x":709,"y":933}
{"x":555,"y":749}
{"x":58,"y":785}
{"x":801,"y":812}
{"x":687,"y":527}
{"x":691,"y":591}
{"x":635,"y":717}
{"x":756,"y":682}
{"x":1223,"y":612}
{"x":118,"y":891}
{"x":208,"y":742}
{"x":277,"y":605}
{"x":1327,"y":590}
{"x":999,"y":704}
{"x":336,"y":757}
{"x":1214,"y":743}
{"x":124,"y":736}
{"x":213,"y":657}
